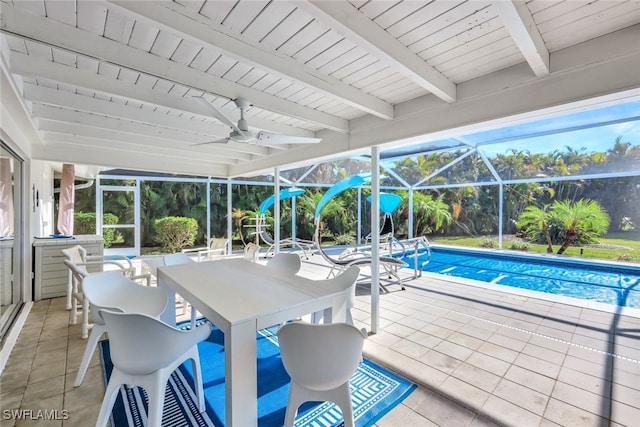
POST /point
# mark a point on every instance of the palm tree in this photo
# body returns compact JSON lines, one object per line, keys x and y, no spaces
{"x":536,"y":221}
{"x":238,"y":215}
{"x":430,"y":214}
{"x":584,"y":218}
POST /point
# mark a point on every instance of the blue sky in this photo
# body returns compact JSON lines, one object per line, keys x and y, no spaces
{"x":590,"y":131}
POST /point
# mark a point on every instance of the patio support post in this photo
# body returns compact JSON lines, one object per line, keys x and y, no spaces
{"x":208,"y":210}
{"x":410,"y":218}
{"x":229,"y":216}
{"x":375,"y":238}
{"x":276,"y":210}
{"x":500,"y":208}
{"x":98,"y":206}
{"x":359,"y":233}
{"x":293,"y":219}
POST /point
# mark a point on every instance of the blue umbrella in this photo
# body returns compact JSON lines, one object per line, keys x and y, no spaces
{"x":284,"y":194}
{"x":388,"y":202}
{"x":339,"y":187}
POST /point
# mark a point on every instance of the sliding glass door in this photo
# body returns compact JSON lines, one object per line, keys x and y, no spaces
{"x":11,"y":297}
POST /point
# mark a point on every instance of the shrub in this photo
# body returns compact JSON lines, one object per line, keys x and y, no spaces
{"x":625,"y":257}
{"x":85,"y":223}
{"x":518,"y":245}
{"x":175,"y":232}
{"x":488,"y":242}
{"x":344,"y":239}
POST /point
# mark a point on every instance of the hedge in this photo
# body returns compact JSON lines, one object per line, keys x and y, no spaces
{"x":175,"y":232}
{"x":85,"y":223}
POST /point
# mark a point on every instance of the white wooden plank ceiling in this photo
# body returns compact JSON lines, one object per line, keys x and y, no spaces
{"x":100,"y":79}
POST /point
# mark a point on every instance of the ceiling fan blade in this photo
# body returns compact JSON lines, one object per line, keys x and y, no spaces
{"x":219,"y":114}
{"x":217,"y":141}
{"x":269,"y":138}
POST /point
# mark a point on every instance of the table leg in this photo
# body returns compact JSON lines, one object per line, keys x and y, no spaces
{"x":168,"y":316}
{"x":241,"y":375}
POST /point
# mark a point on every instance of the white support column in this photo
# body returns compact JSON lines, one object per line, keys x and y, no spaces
{"x":276,"y":210}
{"x":359,"y":233}
{"x":98,"y":206}
{"x":208,"y":209}
{"x":500,"y":212}
{"x":375,"y":239}
{"x":229,"y":215}
{"x":137,"y":238}
{"x":293,"y":219}
{"x":410,"y":207}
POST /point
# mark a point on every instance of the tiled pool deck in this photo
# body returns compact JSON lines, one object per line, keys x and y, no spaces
{"x":479,"y":356}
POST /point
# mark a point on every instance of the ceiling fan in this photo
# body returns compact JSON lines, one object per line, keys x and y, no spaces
{"x":241,"y":133}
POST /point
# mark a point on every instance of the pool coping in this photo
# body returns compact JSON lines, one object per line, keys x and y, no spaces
{"x":579,"y":302}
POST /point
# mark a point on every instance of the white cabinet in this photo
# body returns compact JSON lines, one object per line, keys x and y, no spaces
{"x":50,"y":273}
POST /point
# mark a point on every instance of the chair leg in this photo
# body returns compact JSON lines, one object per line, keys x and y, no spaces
{"x":89,"y":349}
{"x":73,"y":315}
{"x":85,"y":318}
{"x":194,"y":314}
{"x":342,"y":397}
{"x":110,"y":395}
{"x":155,"y":392}
{"x":197,"y":378}
{"x":69,"y":290}
{"x":291,"y":411}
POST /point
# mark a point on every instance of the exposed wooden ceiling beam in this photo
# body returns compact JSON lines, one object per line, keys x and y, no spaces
{"x":173,"y":17}
{"x":24,"y":24}
{"x":83,"y":124}
{"x":61,"y":98}
{"x":90,"y":152}
{"x":355,"y":26}
{"x":27,"y":65}
{"x":516,"y":17}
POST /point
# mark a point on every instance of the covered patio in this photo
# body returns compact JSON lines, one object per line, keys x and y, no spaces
{"x":226,"y":91}
{"x":480,"y":356}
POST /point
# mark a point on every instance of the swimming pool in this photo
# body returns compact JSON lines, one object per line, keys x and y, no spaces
{"x":607,"y":283}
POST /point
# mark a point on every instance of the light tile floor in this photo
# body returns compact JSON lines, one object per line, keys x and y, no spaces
{"x":479,"y":356}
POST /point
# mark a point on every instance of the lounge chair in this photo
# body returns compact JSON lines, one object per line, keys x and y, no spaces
{"x":389,"y":265}
{"x":386,"y":232}
{"x":305,"y":245}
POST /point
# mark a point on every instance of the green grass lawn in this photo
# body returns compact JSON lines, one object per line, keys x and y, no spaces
{"x":629,"y":240}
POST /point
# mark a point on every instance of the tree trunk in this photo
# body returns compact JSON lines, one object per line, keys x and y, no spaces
{"x":569,"y":238}
{"x":547,"y":236}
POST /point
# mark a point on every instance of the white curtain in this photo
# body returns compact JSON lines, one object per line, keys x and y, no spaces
{"x":67,"y":200}
{"x":6,"y":198}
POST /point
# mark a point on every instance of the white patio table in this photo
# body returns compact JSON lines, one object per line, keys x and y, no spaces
{"x":240,"y":298}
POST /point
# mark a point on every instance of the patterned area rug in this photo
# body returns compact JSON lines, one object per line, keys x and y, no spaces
{"x":375,"y":391}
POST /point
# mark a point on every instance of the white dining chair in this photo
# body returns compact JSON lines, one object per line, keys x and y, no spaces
{"x":320,"y":359}
{"x":285,"y":262}
{"x":217,"y":247}
{"x":79,"y":264}
{"x":345,"y":280}
{"x":113,"y":291}
{"x":145,"y":351}
{"x":251,"y":251}
{"x":177,"y":258}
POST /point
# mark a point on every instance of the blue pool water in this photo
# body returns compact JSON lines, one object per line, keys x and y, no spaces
{"x":606,"y":283}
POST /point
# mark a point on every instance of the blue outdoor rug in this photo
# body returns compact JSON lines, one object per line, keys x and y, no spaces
{"x":375,"y":391}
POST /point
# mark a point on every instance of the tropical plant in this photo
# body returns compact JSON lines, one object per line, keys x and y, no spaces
{"x":583,"y":220}
{"x":535,"y":222}
{"x":85,"y":223}
{"x":430,"y":215}
{"x":238,"y":215}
